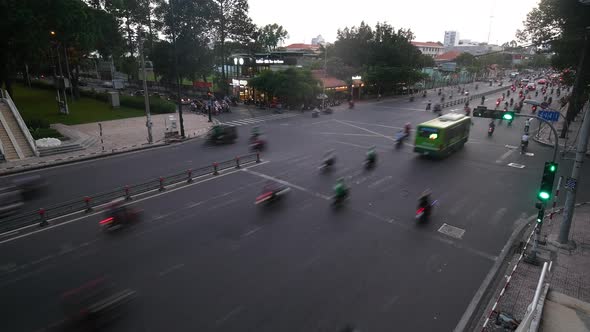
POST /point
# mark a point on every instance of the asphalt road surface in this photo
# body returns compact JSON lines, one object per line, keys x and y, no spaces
{"x":205,"y":258}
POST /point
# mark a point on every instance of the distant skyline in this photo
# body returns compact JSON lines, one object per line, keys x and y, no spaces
{"x":428,"y":19}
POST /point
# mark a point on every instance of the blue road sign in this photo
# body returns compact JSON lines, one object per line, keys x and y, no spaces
{"x":549,"y":115}
{"x":570,"y":183}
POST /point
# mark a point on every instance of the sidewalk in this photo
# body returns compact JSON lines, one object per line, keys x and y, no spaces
{"x":566,"y":305}
{"x":117,"y":136}
{"x":569,"y":144}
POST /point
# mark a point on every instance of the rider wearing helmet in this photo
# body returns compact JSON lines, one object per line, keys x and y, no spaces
{"x":340,"y":189}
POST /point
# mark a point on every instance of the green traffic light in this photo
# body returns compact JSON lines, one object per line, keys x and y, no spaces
{"x":507,"y":116}
{"x":552,"y":168}
{"x":544,"y":195}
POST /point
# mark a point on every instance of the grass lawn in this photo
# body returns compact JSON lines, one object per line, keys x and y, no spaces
{"x":41,"y":104}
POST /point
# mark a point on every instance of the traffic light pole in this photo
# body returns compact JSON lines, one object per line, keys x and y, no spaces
{"x":570,"y":199}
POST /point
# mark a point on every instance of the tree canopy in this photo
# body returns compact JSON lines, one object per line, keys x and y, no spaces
{"x":292,"y":86}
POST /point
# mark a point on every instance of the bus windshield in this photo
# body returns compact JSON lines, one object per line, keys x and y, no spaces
{"x":427,"y":132}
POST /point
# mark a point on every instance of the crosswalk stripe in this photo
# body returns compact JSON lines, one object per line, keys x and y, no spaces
{"x":259,"y":119}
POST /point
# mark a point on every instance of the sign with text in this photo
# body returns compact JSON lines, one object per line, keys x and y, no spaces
{"x":549,"y":115}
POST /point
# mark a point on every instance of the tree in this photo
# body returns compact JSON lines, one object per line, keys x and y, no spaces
{"x":561,"y":25}
{"x":465,"y":60}
{"x":271,"y":35}
{"x":77,"y":29}
{"x":385,"y":56}
{"x":230,"y":22}
{"x":292,"y":86}
{"x":186,"y":23}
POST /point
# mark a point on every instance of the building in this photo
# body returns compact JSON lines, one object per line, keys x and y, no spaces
{"x":474,"y":48}
{"x":429,"y":48}
{"x":319,"y":40}
{"x":303,"y":48}
{"x":451,"y":38}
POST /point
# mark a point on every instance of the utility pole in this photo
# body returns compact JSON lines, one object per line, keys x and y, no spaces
{"x":176,"y":69}
{"x":325,"y":75}
{"x":571,"y":183}
{"x":146,"y":97}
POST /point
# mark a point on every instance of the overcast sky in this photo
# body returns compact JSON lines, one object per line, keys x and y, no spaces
{"x":428,"y":19}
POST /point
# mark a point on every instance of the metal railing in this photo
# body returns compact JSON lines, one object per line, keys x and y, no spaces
{"x":20,"y":122}
{"x":88,"y":203}
{"x":463,"y":100}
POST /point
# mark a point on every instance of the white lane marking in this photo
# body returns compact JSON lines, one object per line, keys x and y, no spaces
{"x":50,"y":227}
{"x":529,"y":154}
{"x":372,"y":124}
{"x":380,"y":181}
{"x":250,"y":232}
{"x":510,"y":146}
{"x":355,"y":145}
{"x":192,"y":205}
{"x":7,"y":234}
{"x":346,"y":134}
{"x":504,"y":156}
{"x":228,"y":316}
{"x":170,"y":269}
{"x":286,"y":183}
{"x":515,"y":165}
{"x":224,"y":203}
{"x":367,"y":130}
{"x":319,"y":122}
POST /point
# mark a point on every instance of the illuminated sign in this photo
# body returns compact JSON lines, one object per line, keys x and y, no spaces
{"x":269,"y":62}
{"x":356,"y":78}
{"x":235,"y":82}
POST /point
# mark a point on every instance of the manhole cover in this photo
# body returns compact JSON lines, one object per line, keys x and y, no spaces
{"x":515,"y":165}
{"x":452,"y":231}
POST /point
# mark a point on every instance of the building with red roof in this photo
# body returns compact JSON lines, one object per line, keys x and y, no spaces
{"x":303,"y":47}
{"x":429,"y":48}
{"x":447,"y":56}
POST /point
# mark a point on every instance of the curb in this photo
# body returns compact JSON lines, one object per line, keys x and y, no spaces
{"x":85,"y":157}
{"x":487,"y":288}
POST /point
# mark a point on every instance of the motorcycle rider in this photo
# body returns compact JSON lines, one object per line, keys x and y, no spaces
{"x":118,"y":211}
{"x":340,"y":189}
{"x":329,"y":158}
{"x":424,"y":202}
{"x":371,"y":156}
{"x":524,"y":143}
{"x":407,"y":129}
{"x":492,"y":126}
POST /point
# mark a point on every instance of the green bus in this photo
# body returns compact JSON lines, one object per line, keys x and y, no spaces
{"x":441,"y":136}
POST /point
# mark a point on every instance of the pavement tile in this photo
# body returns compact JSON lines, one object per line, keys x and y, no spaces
{"x":569,"y":273}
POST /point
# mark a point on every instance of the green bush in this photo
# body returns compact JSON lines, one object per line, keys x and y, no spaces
{"x":157,"y":105}
{"x":45,"y":132}
{"x":36,"y":123}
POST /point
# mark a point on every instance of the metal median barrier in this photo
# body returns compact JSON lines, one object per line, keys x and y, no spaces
{"x":463,"y":100}
{"x":87,"y":203}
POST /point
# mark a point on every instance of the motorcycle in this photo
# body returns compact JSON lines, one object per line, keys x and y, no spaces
{"x":327,"y":164}
{"x":119,"y":218}
{"x":424,"y":212}
{"x":338,"y":200}
{"x":400,"y":138}
{"x":272,"y":194}
{"x":351,"y":104}
{"x":523,"y":147}
{"x":370,"y":162}
{"x":258,"y":145}
{"x":491,"y":130}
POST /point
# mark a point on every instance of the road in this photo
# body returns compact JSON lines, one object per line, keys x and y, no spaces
{"x":206,"y":259}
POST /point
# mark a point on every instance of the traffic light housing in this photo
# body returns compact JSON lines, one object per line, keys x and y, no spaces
{"x":549,"y":171}
{"x":484,"y":112}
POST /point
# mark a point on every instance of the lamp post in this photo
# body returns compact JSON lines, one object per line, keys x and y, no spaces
{"x":176,"y":69}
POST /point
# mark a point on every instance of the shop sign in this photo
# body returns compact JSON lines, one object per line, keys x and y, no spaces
{"x":270,"y":61}
{"x":236,"y":82}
